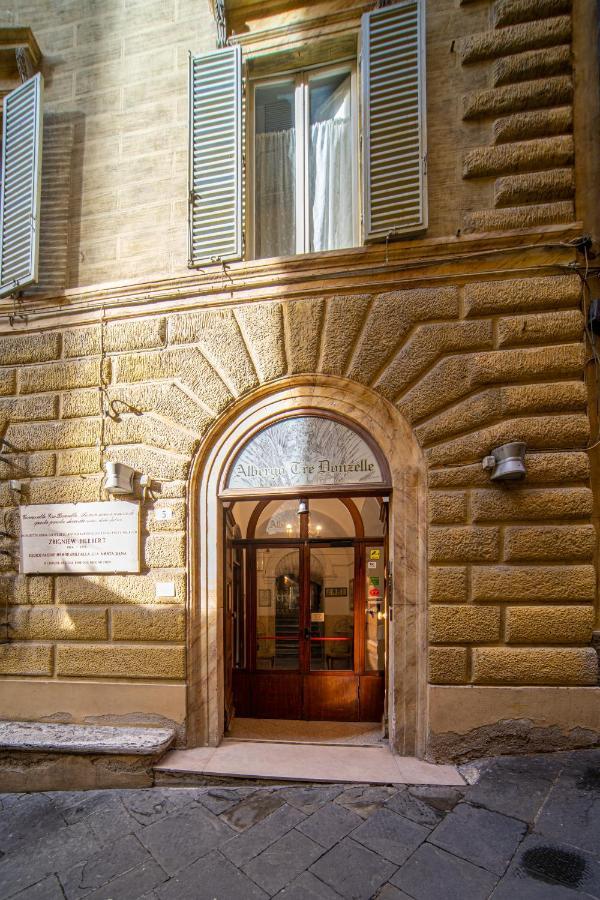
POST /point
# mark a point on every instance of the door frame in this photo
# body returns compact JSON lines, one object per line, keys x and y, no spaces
{"x":407,"y":696}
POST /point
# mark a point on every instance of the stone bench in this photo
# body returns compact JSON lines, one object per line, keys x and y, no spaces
{"x":43,"y":756}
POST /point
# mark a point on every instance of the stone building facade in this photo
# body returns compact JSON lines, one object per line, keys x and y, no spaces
{"x":441,"y":346}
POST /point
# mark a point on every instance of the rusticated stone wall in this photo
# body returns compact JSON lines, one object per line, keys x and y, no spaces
{"x":511,"y":574}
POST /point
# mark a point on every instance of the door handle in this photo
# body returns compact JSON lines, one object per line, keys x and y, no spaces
{"x":307,"y":634}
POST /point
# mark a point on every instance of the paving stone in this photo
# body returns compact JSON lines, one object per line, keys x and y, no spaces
{"x":211,"y":878}
{"x":415,"y":809}
{"x":572,"y":815}
{"x":433,"y":874}
{"x":308,"y":887}
{"x":547,"y":870}
{"x":254,"y":840}
{"x":389,"y":892}
{"x":309,"y":800}
{"x":47,"y":889}
{"x":438,"y":797}
{"x":33,"y":817}
{"x":252,"y":810}
{"x":57,"y":850}
{"x":390,"y":835}
{"x":110,"y":819}
{"x":143,"y":878}
{"x":513,"y":789}
{"x":352,"y":870}
{"x":219,"y":801}
{"x":100,"y":868}
{"x":329,"y":824}
{"x":365,"y":800}
{"x":283,"y":861}
{"x":148,"y":806}
{"x":179,"y":840}
{"x":485,"y":838}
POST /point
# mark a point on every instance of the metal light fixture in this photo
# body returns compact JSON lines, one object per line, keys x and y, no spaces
{"x":302,"y":506}
{"x":119,"y":478}
{"x":507,"y":463}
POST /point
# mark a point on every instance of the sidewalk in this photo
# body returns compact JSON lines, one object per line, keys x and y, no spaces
{"x":525,"y":829}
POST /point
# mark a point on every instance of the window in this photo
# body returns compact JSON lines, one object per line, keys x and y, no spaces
{"x":304,"y":162}
{"x":304,"y":169}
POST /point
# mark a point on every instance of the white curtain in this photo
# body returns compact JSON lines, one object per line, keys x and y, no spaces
{"x":332,"y":213}
{"x":275,"y":212}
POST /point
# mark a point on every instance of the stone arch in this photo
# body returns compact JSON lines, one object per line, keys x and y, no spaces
{"x":395,"y":438}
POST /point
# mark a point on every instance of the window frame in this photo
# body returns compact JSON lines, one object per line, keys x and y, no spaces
{"x":301,"y":78}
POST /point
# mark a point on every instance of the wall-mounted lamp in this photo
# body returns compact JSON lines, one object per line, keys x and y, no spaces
{"x":507,"y":463}
{"x":118,"y":478}
{"x":302,"y":506}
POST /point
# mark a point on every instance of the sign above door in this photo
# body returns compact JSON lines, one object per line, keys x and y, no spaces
{"x":305,"y":451}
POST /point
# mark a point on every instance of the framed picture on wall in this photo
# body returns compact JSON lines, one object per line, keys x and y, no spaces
{"x":264,"y":596}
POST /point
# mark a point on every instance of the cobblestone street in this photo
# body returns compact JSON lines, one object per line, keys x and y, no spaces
{"x":526,"y":829}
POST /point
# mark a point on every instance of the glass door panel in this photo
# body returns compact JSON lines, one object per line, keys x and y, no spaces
{"x":331,"y":608}
{"x":278,"y":608}
{"x":375,"y":608}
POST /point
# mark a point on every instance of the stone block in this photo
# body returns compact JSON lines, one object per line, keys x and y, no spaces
{"x":159,"y":465}
{"x":465,"y":544}
{"x":514,"y":39}
{"x":535,"y":64}
{"x":344,"y":317}
{"x":22,"y":589}
{"x":155,"y":522}
{"x":541,"y":468}
{"x":112,"y":590}
{"x":83,"y":341}
{"x":573,"y":584}
{"x":76,"y":404}
{"x":448,"y":665}
{"x":58,"y":623}
{"x":82,"y":489}
{"x":447,"y":506}
{"x":25,"y":659}
{"x":30,"y":409}
{"x":549,"y":542}
{"x":533,"y":124}
{"x":8,"y":382}
{"x":218,"y":334}
{"x":549,"y":624}
{"x":78,"y":462}
{"x":447,"y":584}
{"x":539,"y":153}
{"x":534,"y":187}
{"x":451,"y":624}
{"x":531,"y":504}
{"x":29,"y":348}
{"x":135,"y":334}
{"x":120,"y":661}
{"x":54,"y":435}
{"x":151,"y":431}
{"x":512,"y":12}
{"x":519,"y":217}
{"x":522,"y":295}
{"x":60,"y":376}
{"x":540,"y":328}
{"x":165,"y":550}
{"x":261,"y":325}
{"x":148,"y":623}
{"x":304,"y":328}
{"x":557,"y":665}
{"x":167,"y":400}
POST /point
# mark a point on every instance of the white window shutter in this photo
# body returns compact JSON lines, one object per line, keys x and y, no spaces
{"x":21,"y":185}
{"x":394,"y":135}
{"x":216,"y":156}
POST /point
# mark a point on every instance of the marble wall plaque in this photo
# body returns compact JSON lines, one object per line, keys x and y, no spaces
{"x":303,"y":451}
{"x":80,"y":537}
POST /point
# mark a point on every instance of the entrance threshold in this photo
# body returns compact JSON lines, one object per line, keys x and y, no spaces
{"x":303,"y":762}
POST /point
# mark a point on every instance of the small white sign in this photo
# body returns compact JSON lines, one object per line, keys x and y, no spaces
{"x":163,"y":514}
{"x":164,"y":589}
{"x":371,"y":565}
{"x":317,"y":617}
{"x":80,"y":537}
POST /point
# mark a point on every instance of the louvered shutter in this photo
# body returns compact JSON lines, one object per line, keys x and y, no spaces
{"x":394,"y":137}
{"x":216,"y":156}
{"x":21,"y":182}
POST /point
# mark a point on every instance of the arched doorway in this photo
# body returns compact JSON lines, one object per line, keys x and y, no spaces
{"x":395,"y":482}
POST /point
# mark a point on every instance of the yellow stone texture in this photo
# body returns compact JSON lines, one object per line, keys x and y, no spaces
{"x":536,"y":64}
{"x":533,"y":124}
{"x":25,"y":659}
{"x":118,"y":589}
{"x":8,"y":381}
{"x":447,"y":584}
{"x":516,"y":294}
{"x":304,"y":328}
{"x":556,"y":665}
{"x":154,"y":522}
{"x":165,"y":550}
{"x":465,"y":544}
{"x":447,"y":506}
{"x":84,"y":489}
{"x":526,"y":35}
{"x":511,"y":12}
{"x":54,"y":435}
{"x":531,"y":504}
{"x":574,"y":584}
{"x":147,"y":623}
{"x":166,"y":400}
{"x":120,"y":661}
{"x":344,"y":317}
{"x":463,"y":624}
{"x":261,"y":325}
{"x":58,"y":623}
{"x":541,"y":468}
{"x":549,"y":624}
{"x":448,"y":665}
{"x":156,"y":463}
{"x":60,"y":376}
{"x":551,"y":542}
{"x":76,"y":404}
{"x":515,"y":98}
{"x":29,"y":348}
{"x":540,"y":328}
{"x":82,"y":461}
{"x":528,"y":216}
{"x":21,"y":589}
{"x":27,"y":409}
{"x":36,"y":465}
